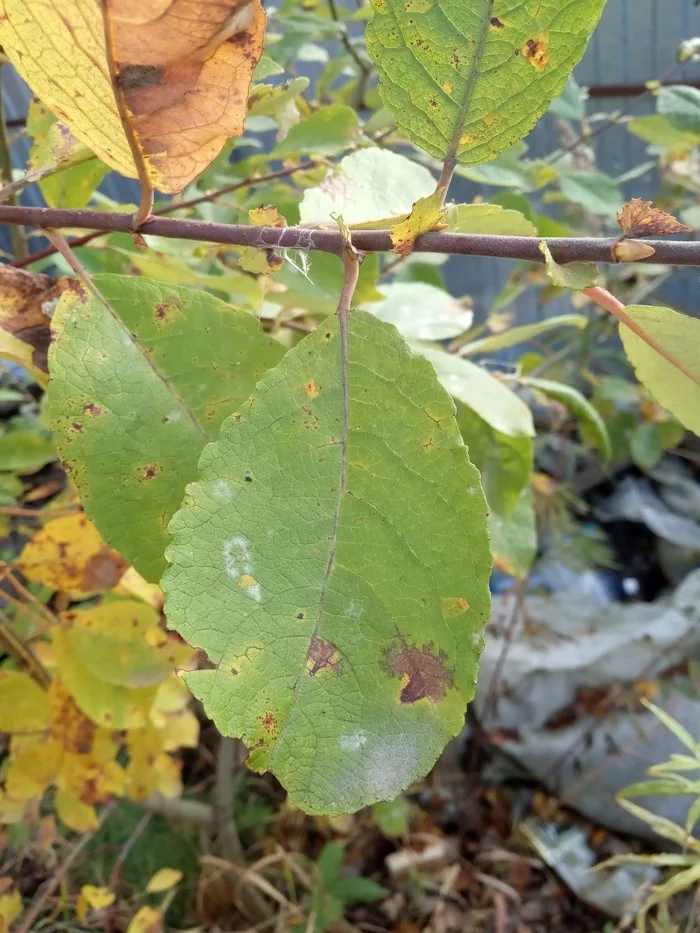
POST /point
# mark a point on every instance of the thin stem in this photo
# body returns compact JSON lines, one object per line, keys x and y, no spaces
{"x":616,"y":308}
{"x":362,"y":65}
{"x":28,"y":921}
{"x":146,"y":205}
{"x":446,"y":176}
{"x":174,"y":206}
{"x":116,"y":873}
{"x":19,"y":246}
{"x":564,"y":249}
{"x":21,"y":653}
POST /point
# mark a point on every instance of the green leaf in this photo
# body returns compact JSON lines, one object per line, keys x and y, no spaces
{"x":479,"y":390}
{"x":646,"y":445}
{"x":138,"y":387}
{"x":516,"y":335}
{"x":470,"y":79}
{"x":345,"y":638}
{"x":575,"y":275}
{"x":579,"y":406}
{"x":571,"y":104}
{"x":505,"y":463}
{"x":328,"y":131}
{"x":488,"y":218}
{"x":659,"y":131}
{"x":358,"y":890}
{"x":680,"y":335}
{"x":680,"y":105}
{"x":392,"y":816}
{"x":514,"y":539}
{"x":421,"y":311}
{"x":367,"y":189}
{"x":594,"y":191}
{"x":680,"y":732}
{"x":25,"y":451}
{"x":119,"y":661}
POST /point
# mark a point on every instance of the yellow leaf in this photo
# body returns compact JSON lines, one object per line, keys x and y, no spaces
{"x":70,"y":727}
{"x":172,"y":696}
{"x":24,"y":705}
{"x":427,"y":214}
{"x":150,"y":770}
{"x":97,"y":898}
{"x":32,"y":770}
{"x":146,"y":920}
{"x":12,"y":811}
{"x":68,"y":554}
{"x":133,"y":584}
{"x":58,"y":47}
{"x":27,"y":300}
{"x":89,"y":780}
{"x":10,"y":902}
{"x":180,"y":730}
{"x":267,"y":216}
{"x":73,"y":813}
{"x":163,"y":880}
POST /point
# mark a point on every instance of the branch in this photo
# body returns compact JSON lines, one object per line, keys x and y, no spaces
{"x":564,"y":249}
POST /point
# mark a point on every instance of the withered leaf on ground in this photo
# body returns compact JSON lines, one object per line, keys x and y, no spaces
{"x":640,"y":218}
{"x":27,"y":302}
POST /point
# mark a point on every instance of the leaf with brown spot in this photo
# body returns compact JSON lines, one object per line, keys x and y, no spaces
{"x":69,"y":555}
{"x":641,"y":219}
{"x":422,"y":670}
{"x":27,"y":303}
{"x":160,"y":97}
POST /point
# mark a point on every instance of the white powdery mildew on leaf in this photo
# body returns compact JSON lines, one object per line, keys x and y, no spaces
{"x":238,"y":565}
{"x":223,"y":491}
{"x":352,"y":743}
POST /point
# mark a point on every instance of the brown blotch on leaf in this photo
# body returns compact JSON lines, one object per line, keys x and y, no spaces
{"x":640,"y":219}
{"x":323,"y":655}
{"x":138,"y":76}
{"x":103,"y":571}
{"x":424,"y":673}
{"x":93,"y":410}
{"x":496,"y":23}
{"x":535,"y":51}
{"x":77,"y":427}
{"x":269,"y":723}
{"x":150,"y":471}
{"x":311,"y":389}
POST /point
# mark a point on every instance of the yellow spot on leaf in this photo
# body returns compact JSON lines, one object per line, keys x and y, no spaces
{"x":312,"y":390}
{"x":246,"y":580}
{"x":454,"y":606}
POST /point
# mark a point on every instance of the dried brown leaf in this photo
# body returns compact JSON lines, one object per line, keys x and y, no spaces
{"x":640,"y":219}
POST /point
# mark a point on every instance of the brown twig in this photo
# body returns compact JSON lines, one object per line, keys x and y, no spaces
{"x":171,"y":208}
{"x":116,"y":873}
{"x":563,"y":249}
{"x":28,"y":921}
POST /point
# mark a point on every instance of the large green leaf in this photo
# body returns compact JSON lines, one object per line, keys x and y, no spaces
{"x":140,"y":381}
{"x":333,"y":562}
{"x":579,"y":406}
{"x":680,"y":335}
{"x":468,"y":79}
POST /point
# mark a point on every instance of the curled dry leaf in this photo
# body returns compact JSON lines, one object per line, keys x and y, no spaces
{"x":426,"y":214}
{"x":159,"y":100}
{"x":640,"y":218}
{"x":631,"y":251}
{"x":27,"y":302}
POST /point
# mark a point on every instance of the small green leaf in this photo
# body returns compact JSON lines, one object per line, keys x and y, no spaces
{"x":579,"y":406}
{"x":514,"y":539}
{"x":421,"y":311}
{"x":469,"y":79}
{"x":680,"y":732}
{"x":367,"y":189}
{"x":504,"y":462}
{"x":138,"y":387}
{"x":479,"y":390}
{"x":575,"y":275}
{"x":488,"y":218}
{"x":25,"y":451}
{"x":680,"y":104}
{"x":358,"y":890}
{"x":646,"y":446}
{"x":594,"y":191}
{"x":309,"y":563}
{"x":659,"y":131}
{"x":316,"y":288}
{"x":571,"y":104}
{"x":392,"y":816}
{"x":517,"y":335}
{"x":680,"y":335}
{"x":328,"y":131}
